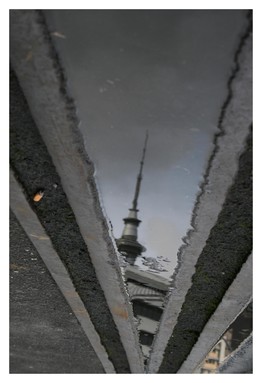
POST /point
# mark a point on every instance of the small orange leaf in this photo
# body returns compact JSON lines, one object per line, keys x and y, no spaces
{"x":38,"y":196}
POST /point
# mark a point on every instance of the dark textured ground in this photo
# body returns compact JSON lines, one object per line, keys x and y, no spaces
{"x":45,"y":336}
{"x":35,"y":171}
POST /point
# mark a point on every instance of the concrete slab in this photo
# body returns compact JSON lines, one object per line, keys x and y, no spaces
{"x":43,"y":245}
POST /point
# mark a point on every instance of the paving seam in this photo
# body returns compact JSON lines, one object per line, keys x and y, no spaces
{"x":43,"y":245}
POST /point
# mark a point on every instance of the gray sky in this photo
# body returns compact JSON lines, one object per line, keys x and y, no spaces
{"x":165,"y":71}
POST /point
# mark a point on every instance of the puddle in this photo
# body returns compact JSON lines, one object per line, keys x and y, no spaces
{"x":161,"y":72}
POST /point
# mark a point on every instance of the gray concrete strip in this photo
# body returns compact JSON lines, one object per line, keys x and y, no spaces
{"x":235,"y":120}
{"x":240,"y":361}
{"x":40,"y":75}
{"x":43,"y":245}
{"x":236,"y":299}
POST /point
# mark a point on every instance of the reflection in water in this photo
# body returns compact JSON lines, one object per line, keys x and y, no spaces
{"x":146,"y":290}
{"x":128,"y":244}
{"x":238,"y":331}
{"x":161,"y":70}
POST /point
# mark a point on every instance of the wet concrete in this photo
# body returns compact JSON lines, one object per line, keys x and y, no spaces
{"x":45,"y":336}
{"x":44,"y":247}
{"x":78,"y":229}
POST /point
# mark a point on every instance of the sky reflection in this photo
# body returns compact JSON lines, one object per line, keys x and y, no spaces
{"x":161,"y":71}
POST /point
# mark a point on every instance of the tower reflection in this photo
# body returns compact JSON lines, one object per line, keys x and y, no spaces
{"x":147,"y":290}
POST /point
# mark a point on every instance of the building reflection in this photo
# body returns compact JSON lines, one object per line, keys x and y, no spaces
{"x":147,"y":291}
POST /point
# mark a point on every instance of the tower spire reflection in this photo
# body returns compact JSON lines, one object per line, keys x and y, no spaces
{"x":128,"y":244}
